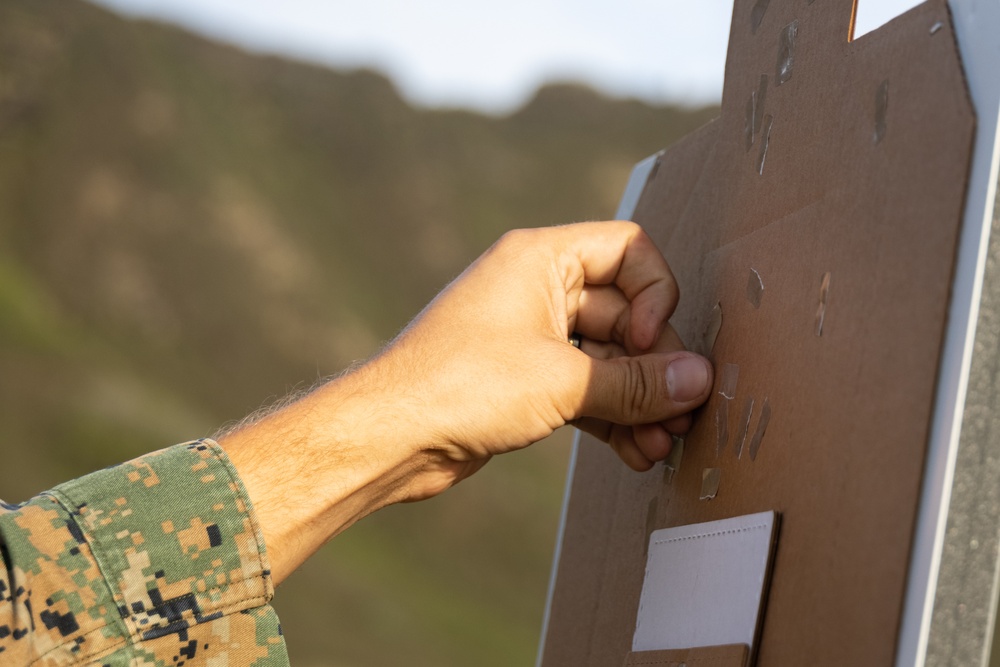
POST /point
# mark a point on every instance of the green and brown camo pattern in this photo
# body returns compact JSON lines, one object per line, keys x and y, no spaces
{"x":155,"y":562}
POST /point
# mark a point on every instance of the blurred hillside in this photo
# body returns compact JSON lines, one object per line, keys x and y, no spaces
{"x":188,"y":231}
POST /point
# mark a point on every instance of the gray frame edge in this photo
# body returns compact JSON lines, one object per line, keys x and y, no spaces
{"x":939,"y":562}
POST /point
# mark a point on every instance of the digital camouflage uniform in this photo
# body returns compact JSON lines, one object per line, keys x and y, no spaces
{"x":155,"y":562}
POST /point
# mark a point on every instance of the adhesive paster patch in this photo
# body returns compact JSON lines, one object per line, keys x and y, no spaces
{"x":705,"y":584}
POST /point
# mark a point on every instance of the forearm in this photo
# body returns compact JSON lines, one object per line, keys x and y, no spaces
{"x":317,"y":466}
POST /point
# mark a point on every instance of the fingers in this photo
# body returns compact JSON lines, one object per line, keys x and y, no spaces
{"x":603,"y":316}
{"x":640,"y":386}
{"x":678,"y":425}
{"x":599,"y":350}
{"x":623,"y":441}
{"x":603,"y":313}
{"x":648,"y":388}
{"x":638,"y":446}
{"x":636,"y":403}
{"x":655,"y":302}
{"x":620,"y":253}
{"x":670,"y":342}
{"x":653,"y":441}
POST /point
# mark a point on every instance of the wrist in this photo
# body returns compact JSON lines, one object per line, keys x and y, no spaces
{"x":317,"y":466}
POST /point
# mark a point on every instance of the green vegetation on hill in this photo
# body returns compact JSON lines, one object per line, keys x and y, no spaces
{"x":188,"y":231}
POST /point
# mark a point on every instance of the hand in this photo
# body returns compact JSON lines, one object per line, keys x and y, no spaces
{"x":486,"y":368}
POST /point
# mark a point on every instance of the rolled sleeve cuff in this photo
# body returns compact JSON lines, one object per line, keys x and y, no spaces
{"x":176,"y":541}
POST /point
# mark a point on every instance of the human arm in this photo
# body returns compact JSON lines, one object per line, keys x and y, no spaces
{"x":165,"y":555}
{"x":485,"y":369}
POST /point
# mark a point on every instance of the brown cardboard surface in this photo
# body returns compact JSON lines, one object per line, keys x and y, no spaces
{"x":861,"y":179}
{"x":733,"y":655}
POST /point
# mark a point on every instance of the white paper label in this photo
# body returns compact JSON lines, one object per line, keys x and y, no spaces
{"x":704,"y":584}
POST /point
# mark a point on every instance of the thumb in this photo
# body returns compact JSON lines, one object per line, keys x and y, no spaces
{"x":647,"y":388}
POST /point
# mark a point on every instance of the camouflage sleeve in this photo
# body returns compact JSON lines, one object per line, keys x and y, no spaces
{"x":154,"y":562}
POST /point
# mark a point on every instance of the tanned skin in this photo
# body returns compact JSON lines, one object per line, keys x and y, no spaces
{"x":484,"y":369}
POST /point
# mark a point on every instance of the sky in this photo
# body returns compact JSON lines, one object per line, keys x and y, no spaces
{"x":491,"y":56}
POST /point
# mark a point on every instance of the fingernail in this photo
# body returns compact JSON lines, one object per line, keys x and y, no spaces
{"x":687,"y":378}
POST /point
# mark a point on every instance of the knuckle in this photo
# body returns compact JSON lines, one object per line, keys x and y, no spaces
{"x":641,"y":390}
{"x":633,"y":228}
{"x":516,"y":245}
{"x":673,"y":291}
{"x":514,"y":238}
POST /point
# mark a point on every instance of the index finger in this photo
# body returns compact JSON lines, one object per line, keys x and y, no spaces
{"x":621,"y":253}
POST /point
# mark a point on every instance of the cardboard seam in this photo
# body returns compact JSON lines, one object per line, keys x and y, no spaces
{"x":719,"y":533}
